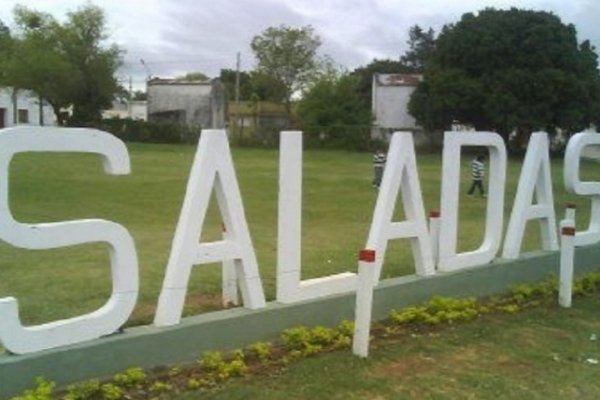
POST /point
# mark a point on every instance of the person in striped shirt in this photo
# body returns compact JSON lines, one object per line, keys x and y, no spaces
{"x":477,"y":174}
{"x":379,"y":160}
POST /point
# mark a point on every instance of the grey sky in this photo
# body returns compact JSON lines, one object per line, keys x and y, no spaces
{"x":175,"y":37}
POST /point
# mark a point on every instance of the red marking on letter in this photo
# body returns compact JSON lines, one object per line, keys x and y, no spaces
{"x":571,"y":205}
{"x":435,"y":214}
{"x":568,"y":231}
{"x":366,"y":255}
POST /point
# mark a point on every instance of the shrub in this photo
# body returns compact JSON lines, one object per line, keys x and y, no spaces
{"x":131,"y":377}
{"x":42,"y":391}
{"x":131,"y":130}
{"x":262,"y":350}
{"x":84,"y":390}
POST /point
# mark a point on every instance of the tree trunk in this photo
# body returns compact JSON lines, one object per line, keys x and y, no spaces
{"x":41,"y":108}
{"x":15,"y":105}
{"x":288,"y":111}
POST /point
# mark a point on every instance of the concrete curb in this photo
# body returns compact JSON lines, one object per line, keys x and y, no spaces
{"x":149,"y":346}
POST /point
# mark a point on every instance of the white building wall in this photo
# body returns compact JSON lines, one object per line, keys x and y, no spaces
{"x":193,"y":99}
{"x":26,"y":100}
{"x":391,"y":107}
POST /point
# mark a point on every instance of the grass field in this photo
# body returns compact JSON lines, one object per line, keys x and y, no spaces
{"x":542,"y":353}
{"x":338,"y":206}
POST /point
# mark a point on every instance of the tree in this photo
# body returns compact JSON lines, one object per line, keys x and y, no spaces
{"x":6,"y":45}
{"x":421,"y":45}
{"x":66,"y":64}
{"x":193,"y":76}
{"x":509,"y":69}
{"x":332,"y":109}
{"x":228,"y":78}
{"x":37,"y":62}
{"x":139,"y":95}
{"x":288,"y":55}
{"x":82,"y":39}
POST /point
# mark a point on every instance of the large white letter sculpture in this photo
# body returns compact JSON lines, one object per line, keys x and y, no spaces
{"x":535,"y":177}
{"x":574,"y":185}
{"x":401,"y":175}
{"x":289,"y":286}
{"x":213,"y":167}
{"x":124,"y":264}
{"x":449,"y":260}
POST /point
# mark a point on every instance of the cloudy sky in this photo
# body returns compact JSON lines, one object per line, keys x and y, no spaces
{"x":178,"y":36}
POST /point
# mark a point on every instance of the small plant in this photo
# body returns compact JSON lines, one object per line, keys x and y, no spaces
{"x":193,"y":384}
{"x":84,"y":390}
{"x":211,"y":361}
{"x":342,"y":342}
{"x":346,"y":328}
{"x":508,"y":308}
{"x":296,"y":338}
{"x":262,"y":350}
{"x":131,"y":377}
{"x":238,"y":354}
{"x":235,"y":368}
{"x":160,"y":387}
{"x":42,"y":391}
{"x":111,"y":392}
{"x":322,"y":336}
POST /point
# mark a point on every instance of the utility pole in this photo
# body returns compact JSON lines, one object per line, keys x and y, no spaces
{"x":237,"y":93}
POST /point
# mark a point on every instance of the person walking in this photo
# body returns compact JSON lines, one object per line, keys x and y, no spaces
{"x":477,"y":174}
{"x":379,"y":160}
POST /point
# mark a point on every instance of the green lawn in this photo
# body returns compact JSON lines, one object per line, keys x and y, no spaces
{"x":338,"y":205}
{"x":543,"y":353}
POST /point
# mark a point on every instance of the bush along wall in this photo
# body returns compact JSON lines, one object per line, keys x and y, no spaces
{"x":130,"y":130}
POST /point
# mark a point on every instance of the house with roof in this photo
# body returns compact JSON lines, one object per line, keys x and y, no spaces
{"x":389,"y":104}
{"x":200,"y":103}
{"x":22,"y":107}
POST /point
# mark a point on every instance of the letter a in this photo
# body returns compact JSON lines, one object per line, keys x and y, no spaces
{"x":213,"y":167}
{"x":401,"y":175}
{"x":535,"y":177}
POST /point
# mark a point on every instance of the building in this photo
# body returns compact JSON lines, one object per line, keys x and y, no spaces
{"x":391,"y":94}
{"x":23,"y":108}
{"x":134,"y":109}
{"x":187,"y":102}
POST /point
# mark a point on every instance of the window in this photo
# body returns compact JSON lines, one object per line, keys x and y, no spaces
{"x":23,"y":116}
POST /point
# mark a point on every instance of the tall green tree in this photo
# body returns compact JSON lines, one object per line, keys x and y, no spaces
{"x":6,"y":45}
{"x":65,"y":64}
{"x":254,"y":86}
{"x":331,"y":109}
{"x":228,"y":79}
{"x":37,"y":61}
{"x":421,"y":44}
{"x":84,"y":36}
{"x":289,"y":55}
{"x":509,"y":69}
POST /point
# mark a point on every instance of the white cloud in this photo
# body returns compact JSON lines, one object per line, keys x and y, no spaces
{"x":175,"y":37}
